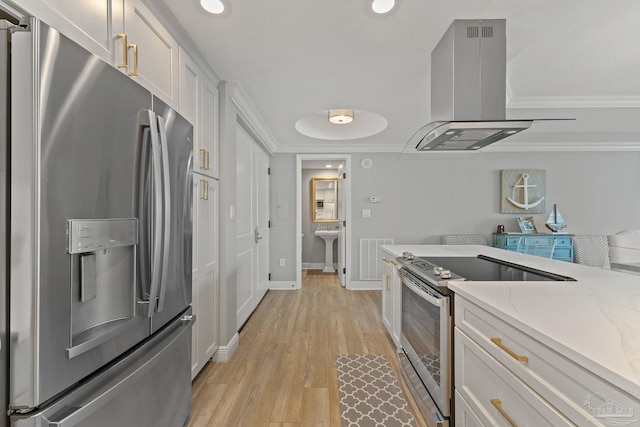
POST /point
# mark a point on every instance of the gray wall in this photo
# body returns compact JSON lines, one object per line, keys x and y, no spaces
{"x":424,"y":197}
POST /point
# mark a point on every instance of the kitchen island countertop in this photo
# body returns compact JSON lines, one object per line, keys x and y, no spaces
{"x":594,"y":321}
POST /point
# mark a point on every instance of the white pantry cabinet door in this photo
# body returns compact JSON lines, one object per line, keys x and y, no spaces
{"x":152,"y":52}
{"x":205,"y":271}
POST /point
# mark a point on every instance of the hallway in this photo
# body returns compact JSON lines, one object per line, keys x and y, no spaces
{"x":283,"y":373}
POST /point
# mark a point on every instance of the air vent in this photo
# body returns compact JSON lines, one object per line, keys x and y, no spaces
{"x":487,"y":32}
{"x":473,"y":32}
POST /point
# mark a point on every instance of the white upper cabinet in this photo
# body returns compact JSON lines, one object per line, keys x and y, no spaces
{"x":151,"y":52}
{"x":208,"y":150}
{"x":190,"y":76}
{"x":199,"y":104}
{"x":88,"y":23}
{"x":124,"y":33}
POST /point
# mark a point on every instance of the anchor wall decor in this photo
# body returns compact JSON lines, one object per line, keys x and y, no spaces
{"x":522,"y":190}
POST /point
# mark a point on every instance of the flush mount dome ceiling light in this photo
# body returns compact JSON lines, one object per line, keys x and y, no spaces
{"x":212,"y":6}
{"x":316,"y":125}
{"x":341,"y":116}
{"x":382,"y":6}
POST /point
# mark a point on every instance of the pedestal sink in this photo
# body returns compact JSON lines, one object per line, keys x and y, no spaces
{"x":328,"y":236}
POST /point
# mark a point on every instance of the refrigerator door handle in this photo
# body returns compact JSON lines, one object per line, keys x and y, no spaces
{"x":166,"y":212}
{"x":152,"y":215}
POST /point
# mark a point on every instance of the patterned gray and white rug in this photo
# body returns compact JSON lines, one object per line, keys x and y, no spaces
{"x":369,"y":392}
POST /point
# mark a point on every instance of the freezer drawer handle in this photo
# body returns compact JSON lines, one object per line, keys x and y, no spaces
{"x":188,"y":318}
{"x":101,"y":399}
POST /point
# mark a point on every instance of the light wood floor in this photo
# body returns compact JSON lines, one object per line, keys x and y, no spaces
{"x":283,"y":373}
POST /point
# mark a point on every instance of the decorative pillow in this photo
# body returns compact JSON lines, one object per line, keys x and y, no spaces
{"x":592,"y":250}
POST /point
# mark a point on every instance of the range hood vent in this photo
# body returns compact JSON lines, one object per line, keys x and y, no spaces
{"x":468,"y":90}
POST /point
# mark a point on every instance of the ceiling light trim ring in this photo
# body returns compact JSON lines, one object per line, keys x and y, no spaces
{"x":341,"y":116}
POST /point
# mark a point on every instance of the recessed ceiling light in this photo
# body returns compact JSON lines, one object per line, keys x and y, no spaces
{"x":382,"y":6}
{"x":212,"y":6}
{"x":328,"y":166}
{"x":341,"y":116}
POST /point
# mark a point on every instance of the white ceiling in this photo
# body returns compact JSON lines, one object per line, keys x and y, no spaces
{"x":569,"y":58}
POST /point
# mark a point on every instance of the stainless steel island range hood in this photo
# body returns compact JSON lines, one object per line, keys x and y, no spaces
{"x":468,"y":87}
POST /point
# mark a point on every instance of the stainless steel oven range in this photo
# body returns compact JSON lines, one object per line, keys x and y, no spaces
{"x":427,"y":323}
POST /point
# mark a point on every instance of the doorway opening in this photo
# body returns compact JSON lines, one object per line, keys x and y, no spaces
{"x":323,"y":221}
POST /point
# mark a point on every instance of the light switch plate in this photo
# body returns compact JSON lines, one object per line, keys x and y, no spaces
{"x":366,"y":213}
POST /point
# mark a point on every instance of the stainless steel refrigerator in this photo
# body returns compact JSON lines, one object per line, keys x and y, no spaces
{"x":96,"y":176}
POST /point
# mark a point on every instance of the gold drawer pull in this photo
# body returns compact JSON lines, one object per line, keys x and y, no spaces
{"x":135,"y":59}
{"x":203,"y":154}
{"x":498,"y":342}
{"x":390,"y":261}
{"x":497,"y":403}
{"x":386,"y":279}
{"x":205,"y":189}
{"x":125,"y":51}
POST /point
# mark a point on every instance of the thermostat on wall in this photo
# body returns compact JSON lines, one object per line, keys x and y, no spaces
{"x":366,"y":163}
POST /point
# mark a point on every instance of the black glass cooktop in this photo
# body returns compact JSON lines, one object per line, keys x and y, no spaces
{"x":484,"y":268}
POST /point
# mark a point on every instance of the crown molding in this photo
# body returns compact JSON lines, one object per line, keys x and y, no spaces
{"x":574,"y":102}
{"x":325,"y":147}
{"x":253,"y":119}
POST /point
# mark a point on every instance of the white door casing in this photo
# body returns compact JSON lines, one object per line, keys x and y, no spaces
{"x":342,"y":224}
{"x":262,"y":218}
{"x":347,"y":214}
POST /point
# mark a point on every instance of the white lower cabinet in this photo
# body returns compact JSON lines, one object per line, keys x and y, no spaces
{"x":391,"y":297}
{"x":387,"y":299}
{"x":496,"y":395}
{"x":205,"y":273}
{"x":464,"y":415}
{"x":534,"y":384}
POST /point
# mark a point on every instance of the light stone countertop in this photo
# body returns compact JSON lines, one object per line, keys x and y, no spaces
{"x":594,"y":321}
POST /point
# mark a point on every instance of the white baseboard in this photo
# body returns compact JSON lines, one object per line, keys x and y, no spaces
{"x":316,"y":265}
{"x":282,"y":286}
{"x":225,"y":352}
{"x":365,"y":285}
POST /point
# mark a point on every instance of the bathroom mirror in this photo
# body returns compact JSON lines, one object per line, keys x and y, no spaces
{"x":324,"y":199}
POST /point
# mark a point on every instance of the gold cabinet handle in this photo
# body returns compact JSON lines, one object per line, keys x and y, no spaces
{"x":386,"y":279}
{"x":202,"y":156}
{"x":390,"y":261}
{"x":205,"y":189}
{"x":497,"y":403}
{"x":207,"y":153}
{"x":498,"y":342}
{"x":135,"y":58}
{"x":125,"y":51}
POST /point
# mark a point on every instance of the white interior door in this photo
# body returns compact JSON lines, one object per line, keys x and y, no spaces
{"x":342,"y":221}
{"x":252,"y":238}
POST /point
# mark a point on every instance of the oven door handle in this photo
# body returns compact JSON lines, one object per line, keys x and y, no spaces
{"x":424,"y":294}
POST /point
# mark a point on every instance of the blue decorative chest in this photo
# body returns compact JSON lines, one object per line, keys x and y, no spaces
{"x":556,"y":246}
